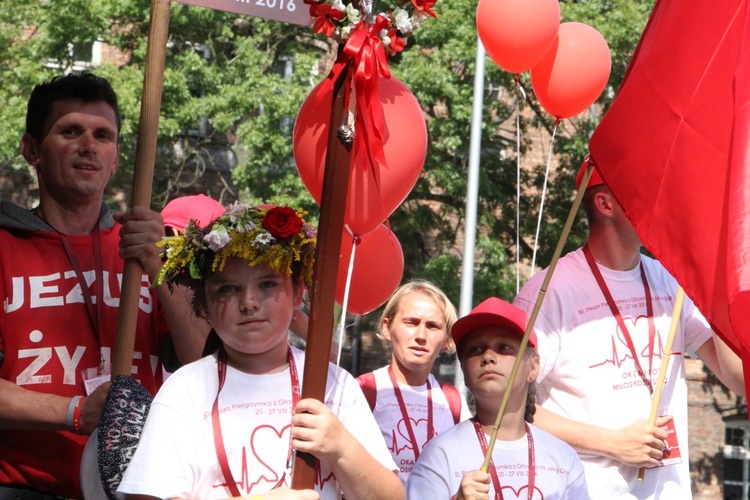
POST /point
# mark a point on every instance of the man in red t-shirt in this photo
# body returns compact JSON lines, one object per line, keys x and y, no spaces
{"x":60,"y":273}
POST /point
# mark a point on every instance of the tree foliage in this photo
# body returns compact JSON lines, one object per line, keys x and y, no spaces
{"x":235,"y":83}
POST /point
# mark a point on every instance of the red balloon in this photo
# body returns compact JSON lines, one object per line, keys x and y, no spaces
{"x":377,"y":270}
{"x":405,"y":149}
{"x":517,"y":33}
{"x":574,"y":72}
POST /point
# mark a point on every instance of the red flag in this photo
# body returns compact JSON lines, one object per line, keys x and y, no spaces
{"x":739,"y":200}
{"x":674,"y":149}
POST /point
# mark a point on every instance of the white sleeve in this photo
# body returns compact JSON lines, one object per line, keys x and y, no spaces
{"x":576,"y":489}
{"x":697,"y":329}
{"x":159,"y":467}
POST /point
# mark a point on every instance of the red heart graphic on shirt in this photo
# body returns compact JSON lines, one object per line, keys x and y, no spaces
{"x":521,"y":493}
{"x":402,"y":441}
{"x":263,"y":439}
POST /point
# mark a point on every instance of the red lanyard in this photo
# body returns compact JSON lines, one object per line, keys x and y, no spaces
{"x":493,"y":470}
{"x":95,"y":311}
{"x":405,"y":413}
{"x":221,"y":453}
{"x":618,"y":317}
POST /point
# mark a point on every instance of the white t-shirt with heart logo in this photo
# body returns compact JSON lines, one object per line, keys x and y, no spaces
{"x":587,"y":372}
{"x":176,"y":456}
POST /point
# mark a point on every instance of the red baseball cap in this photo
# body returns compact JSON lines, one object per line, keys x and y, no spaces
{"x":201,"y":208}
{"x":594,"y":180}
{"x":493,"y":312}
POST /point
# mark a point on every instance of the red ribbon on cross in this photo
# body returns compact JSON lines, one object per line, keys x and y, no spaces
{"x":365,"y":50}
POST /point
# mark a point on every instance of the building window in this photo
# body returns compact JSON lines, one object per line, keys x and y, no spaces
{"x":737,"y":460}
{"x":83,"y":55}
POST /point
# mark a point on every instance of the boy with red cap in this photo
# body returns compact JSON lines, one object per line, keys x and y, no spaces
{"x":526,"y":462}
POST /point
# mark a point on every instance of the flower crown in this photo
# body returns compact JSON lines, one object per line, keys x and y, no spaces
{"x":332,"y":17}
{"x":276,"y":237}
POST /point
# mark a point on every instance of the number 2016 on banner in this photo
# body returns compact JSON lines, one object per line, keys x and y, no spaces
{"x":291,"y":6}
{"x":288,"y":11}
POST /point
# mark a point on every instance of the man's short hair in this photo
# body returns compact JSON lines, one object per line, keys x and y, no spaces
{"x":84,"y":87}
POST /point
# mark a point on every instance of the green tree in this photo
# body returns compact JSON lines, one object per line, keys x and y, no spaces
{"x":240,"y":81}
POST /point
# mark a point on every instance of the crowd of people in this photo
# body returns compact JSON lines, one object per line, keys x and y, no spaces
{"x":222,"y":289}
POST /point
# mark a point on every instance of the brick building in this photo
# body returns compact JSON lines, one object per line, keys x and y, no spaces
{"x":719,"y":450}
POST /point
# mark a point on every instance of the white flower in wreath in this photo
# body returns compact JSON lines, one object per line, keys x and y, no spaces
{"x":217,"y":238}
{"x":264,"y":238}
{"x":338,"y":5}
{"x":346,"y":31}
{"x":385,"y":38}
{"x":235,"y":210}
{"x":402,"y":21}
{"x":352,"y":13}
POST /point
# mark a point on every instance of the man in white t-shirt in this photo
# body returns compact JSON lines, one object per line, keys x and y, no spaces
{"x":602,"y":327}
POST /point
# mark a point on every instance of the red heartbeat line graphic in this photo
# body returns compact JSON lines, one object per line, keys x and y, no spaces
{"x":400,"y":434}
{"x":621,"y":351}
{"x":268,"y":437}
{"x":320,"y":481}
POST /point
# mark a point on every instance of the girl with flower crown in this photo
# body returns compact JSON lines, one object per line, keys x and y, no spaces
{"x":228,"y":424}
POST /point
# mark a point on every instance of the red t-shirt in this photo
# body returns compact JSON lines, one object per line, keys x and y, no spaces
{"x":48,"y":338}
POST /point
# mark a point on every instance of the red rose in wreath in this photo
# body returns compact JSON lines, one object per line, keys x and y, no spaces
{"x":282,"y":222}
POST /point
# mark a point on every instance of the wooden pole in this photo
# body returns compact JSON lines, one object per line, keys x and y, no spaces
{"x":328,"y":248}
{"x":109,"y":471}
{"x":143,"y":175}
{"x":535,"y":313}
{"x":679,"y":300}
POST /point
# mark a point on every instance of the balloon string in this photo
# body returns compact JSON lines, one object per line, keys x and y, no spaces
{"x":344,"y":305}
{"x":519,"y":90}
{"x":544,"y":193}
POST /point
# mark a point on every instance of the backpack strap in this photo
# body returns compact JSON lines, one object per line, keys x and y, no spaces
{"x":369,"y":389}
{"x":454,"y":400}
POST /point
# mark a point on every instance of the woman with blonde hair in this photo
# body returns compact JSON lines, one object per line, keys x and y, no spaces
{"x":409,"y":404}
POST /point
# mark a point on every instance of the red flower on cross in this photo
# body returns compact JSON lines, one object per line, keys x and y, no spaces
{"x":397,"y":43}
{"x":325,"y":15}
{"x":425,"y":6}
